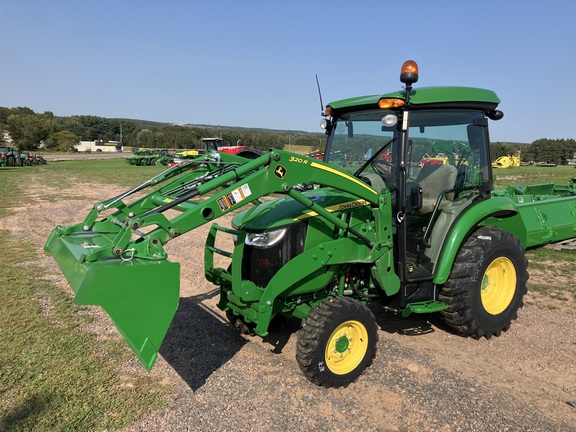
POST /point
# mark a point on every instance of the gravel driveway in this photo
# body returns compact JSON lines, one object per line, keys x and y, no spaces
{"x":423,"y":377}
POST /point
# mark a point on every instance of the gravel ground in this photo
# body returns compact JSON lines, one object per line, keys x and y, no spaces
{"x":423,"y":377}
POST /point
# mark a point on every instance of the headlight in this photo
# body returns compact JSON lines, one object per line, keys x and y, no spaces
{"x":265,"y":239}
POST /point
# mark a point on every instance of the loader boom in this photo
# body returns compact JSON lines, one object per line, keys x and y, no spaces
{"x":111,"y":262}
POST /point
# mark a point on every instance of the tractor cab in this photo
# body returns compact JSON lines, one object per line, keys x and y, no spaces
{"x":429,"y":148}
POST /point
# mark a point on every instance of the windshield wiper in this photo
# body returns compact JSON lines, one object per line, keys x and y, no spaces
{"x":373,"y":157}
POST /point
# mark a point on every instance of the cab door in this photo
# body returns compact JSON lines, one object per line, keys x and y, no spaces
{"x":446,"y":166}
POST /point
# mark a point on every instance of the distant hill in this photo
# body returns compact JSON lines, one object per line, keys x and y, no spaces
{"x":146,"y":123}
{"x":247,"y":129}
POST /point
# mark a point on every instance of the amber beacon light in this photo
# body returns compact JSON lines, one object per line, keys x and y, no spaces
{"x":409,"y":72}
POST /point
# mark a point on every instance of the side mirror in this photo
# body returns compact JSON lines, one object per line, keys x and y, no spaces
{"x":350,"y":127}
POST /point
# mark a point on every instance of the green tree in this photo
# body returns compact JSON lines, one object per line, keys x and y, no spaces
{"x":7,"y":112}
{"x":498,"y":149}
{"x":28,"y":131}
{"x":552,"y":151}
{"x":62,"y":141}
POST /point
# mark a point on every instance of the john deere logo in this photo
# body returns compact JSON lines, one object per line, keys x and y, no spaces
{"x":280,"y":172}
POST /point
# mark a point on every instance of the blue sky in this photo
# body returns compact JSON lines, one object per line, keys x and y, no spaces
{"x":253,"y":63}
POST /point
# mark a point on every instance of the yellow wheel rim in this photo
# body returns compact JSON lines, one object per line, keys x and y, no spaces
{"x":346,"y":347}
{"x":498,"y":285}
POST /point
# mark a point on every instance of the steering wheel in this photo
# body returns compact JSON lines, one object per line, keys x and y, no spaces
{"x":385,"y":170}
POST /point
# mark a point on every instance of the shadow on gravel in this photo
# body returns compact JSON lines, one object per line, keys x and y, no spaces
{"x":281,"y":330}
{"x":198,"y":341}
{"x":414,"y":325}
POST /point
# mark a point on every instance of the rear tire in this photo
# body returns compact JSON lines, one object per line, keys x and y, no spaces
{"x":487,"y":284}
{"x":337,"y":342}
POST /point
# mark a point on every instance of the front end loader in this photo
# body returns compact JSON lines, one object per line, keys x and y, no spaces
{"x":370,"y":224}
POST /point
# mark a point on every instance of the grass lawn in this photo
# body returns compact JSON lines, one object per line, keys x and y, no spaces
{"x":54,"y":375}
{"x":533,"y":175}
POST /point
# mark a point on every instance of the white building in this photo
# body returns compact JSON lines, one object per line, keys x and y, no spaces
{"x":99,"y":146}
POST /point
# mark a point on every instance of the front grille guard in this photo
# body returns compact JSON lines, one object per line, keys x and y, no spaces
{"x":218,"y":275}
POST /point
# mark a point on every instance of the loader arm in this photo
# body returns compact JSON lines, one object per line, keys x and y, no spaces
{"x":119,"y":262}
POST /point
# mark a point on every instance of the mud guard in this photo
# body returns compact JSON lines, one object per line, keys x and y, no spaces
{"x":470,"y":219}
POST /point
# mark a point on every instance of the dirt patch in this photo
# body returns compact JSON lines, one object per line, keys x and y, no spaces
{"x":509,"y":178}
{"x":423,"y":378}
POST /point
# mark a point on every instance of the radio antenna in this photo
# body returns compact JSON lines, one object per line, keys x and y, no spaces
{"x":320,"y":95}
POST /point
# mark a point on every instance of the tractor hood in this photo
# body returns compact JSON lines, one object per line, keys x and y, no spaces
{"x":284,"y":211}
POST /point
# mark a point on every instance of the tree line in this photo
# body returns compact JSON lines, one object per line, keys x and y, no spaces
{"x":31,"y":131}
{"x":556,"y":151}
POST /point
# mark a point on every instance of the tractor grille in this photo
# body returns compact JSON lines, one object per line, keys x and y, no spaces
{"x":260,"y":264}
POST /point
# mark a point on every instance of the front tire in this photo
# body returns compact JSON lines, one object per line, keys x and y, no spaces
{"x":337,"y":342}
{"x":487,"y":284}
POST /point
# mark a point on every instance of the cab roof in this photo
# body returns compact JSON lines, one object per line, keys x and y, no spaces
{"x":427,"y":97}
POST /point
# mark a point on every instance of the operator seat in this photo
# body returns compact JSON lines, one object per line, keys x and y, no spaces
{"x":374,"y":180}
{"x":433,"y":179}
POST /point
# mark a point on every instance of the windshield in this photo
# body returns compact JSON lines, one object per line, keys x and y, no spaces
{"x":361,"y":145}
{"x":356,"y":137}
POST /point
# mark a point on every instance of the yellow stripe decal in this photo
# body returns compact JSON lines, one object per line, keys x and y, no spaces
{"x":336,"y":207}
{"x":341,"y":174}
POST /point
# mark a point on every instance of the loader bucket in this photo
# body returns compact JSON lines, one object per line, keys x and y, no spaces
{"x":140,"y":296}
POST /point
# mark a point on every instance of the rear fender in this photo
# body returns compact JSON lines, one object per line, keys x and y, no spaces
{"x":497,"y":207}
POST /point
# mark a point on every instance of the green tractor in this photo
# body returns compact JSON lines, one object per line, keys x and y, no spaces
{"x":26,"y":159}
{"x":369,"y":225}
{"x":149,"y":157}
{"x":164,"y":158}
{"x":141,"y":157}
{"x":39,"y":160}
{"x":4,"y":156}
{"x":10,"y":157}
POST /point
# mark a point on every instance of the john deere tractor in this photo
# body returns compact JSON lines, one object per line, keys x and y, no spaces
{"x":370,"y":224}
{"x":10,"y":157}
